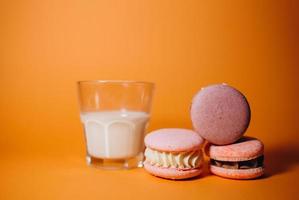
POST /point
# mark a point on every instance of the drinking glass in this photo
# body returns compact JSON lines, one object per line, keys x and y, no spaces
{"x":115,"y":115}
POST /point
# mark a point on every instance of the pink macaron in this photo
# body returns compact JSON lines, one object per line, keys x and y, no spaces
{"x":240,"y":160}
{"x":220,"y":114}
{"x":173,"y":153}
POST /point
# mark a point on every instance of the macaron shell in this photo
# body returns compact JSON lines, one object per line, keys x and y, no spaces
{"x":173,"y":140}
{"x":172,"y":173}
{"x":220,"y":114}
{"x":246,"y":148}
{"x":237,"y":173}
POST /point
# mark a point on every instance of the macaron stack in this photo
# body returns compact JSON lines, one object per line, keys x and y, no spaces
{"x":220,"y":114}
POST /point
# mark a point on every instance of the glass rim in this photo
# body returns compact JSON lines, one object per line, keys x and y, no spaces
{"x":115,"y":82}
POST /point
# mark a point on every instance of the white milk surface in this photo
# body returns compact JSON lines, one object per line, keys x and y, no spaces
{"x":114,"y":134}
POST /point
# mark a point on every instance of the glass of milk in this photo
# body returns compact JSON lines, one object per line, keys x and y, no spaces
{"x":115,"y":115}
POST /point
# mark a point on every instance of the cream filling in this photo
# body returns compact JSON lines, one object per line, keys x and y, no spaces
{"x":191,"y":159}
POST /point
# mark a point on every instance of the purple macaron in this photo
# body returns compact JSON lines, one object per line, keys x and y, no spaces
{"x":220,"y":114}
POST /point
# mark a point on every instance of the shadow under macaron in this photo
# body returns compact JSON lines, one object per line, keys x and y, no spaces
{"x":281,"y":159}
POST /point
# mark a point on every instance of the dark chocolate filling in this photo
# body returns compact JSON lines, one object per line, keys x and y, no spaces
{"x":248,"y":164}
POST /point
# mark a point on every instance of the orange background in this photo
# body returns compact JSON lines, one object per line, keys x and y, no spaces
{"x":48,"y":45}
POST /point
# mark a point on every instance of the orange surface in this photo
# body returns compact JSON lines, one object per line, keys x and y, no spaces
{"x":46,"y":46}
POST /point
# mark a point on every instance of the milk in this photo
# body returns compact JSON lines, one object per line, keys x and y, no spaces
{"x":114,"y":134}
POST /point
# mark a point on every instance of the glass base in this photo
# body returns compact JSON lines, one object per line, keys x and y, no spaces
{"x":112,"y":164}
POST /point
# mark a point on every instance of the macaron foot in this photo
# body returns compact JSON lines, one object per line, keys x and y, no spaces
{"x":172,"y":173}
{"x":251,"y":173}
